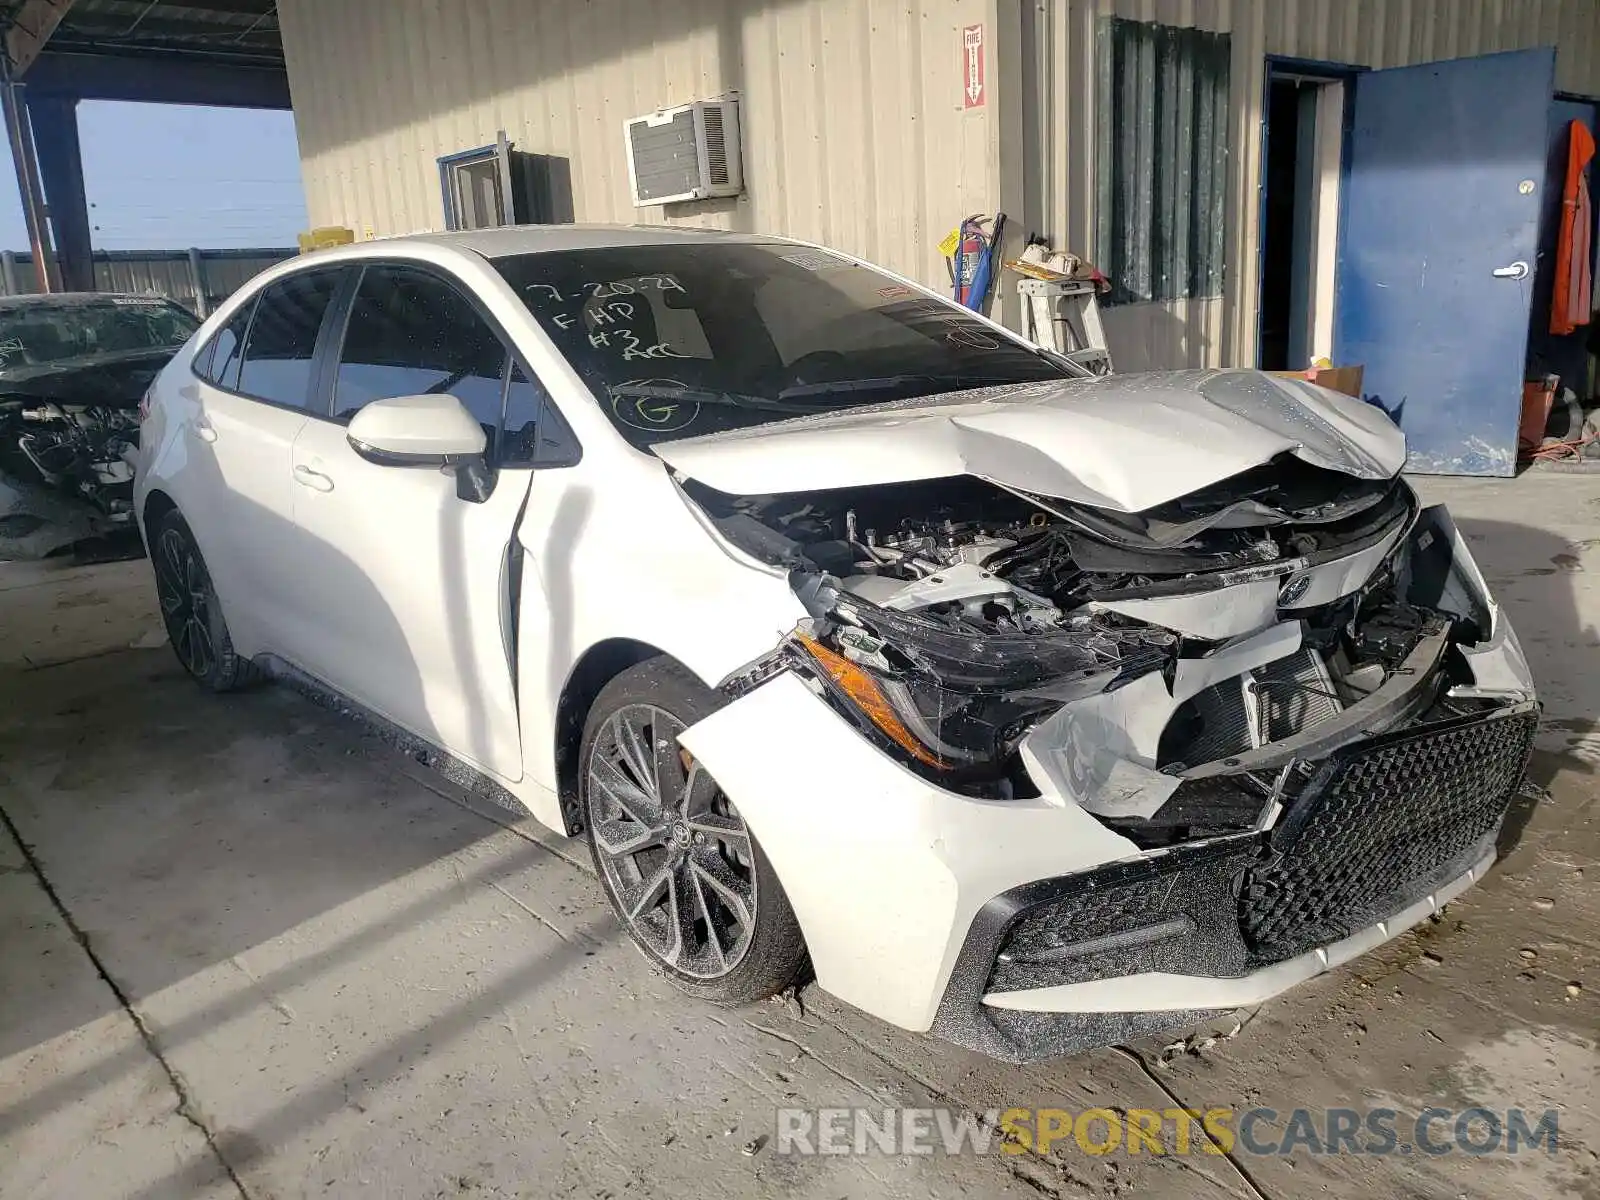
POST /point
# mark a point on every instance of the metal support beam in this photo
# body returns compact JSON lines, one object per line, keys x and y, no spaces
{"x":170,"y":80}
{"x":55,"y":126}
{"x":20,"y":135}
{"x":197,"y":279}
{"x":31,"y":27}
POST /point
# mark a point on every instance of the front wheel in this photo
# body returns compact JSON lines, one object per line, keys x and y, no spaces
{"x":190,"y":610}
{"x":685,"y":875}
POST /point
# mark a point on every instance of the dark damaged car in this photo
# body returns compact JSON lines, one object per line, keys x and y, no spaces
{"x":73,"y":369}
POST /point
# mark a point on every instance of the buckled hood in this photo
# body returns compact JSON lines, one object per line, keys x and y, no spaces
{"x":1125,"y":443}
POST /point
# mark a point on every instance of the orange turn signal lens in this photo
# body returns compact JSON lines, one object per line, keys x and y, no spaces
{"x":864,"y":692}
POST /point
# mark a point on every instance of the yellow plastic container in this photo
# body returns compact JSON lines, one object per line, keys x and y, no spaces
{"x":324,"y":236}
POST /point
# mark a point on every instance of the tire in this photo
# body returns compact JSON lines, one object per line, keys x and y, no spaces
{"x":686,"y":878}
{"x":190,"y":609}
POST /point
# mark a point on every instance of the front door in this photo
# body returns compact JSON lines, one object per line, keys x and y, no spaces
{"x":1438,"y":249}
{"x":410,"y":582}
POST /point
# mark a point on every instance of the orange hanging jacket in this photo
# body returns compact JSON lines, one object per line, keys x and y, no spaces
{"x":1571,"y":304}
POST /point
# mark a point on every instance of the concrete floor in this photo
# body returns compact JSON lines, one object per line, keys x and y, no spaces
{"x":250,"y":951}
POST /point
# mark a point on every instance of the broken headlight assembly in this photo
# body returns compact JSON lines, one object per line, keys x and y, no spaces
{"x":953,"y":704}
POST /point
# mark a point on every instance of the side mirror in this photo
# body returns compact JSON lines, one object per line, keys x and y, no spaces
{"x":417,"y":431}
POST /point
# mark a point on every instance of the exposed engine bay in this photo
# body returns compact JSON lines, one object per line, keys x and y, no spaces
{"x":1171,"y":671}
{"x":75,"y":448}
{"x":73,"y":368}
{"x":1166,"y":684}
{"x":64,"y":482}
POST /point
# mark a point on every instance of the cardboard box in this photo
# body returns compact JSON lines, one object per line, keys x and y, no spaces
{"x":1538,"y":397}
{"x":1340,"y":379}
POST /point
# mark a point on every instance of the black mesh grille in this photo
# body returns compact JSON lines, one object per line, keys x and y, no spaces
{"x":1381,"y":824}
{"x":1378,"y":825}
{"x":1170,"y":913}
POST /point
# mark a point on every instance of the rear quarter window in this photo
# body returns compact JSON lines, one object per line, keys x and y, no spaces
{"x":218,"y":360}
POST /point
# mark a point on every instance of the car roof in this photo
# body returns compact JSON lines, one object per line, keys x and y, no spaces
{"x":69,"y":299}
{"x":533,"y":239}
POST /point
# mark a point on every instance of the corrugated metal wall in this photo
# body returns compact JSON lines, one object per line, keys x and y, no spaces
{"x":167,"y":273}
{"x":854,"y":130}
{"x":1056,"y":137}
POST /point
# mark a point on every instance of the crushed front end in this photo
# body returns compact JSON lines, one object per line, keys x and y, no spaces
{"x":73,"y":370}
{"x":64,"y":478}
{"x":1259,"y":729}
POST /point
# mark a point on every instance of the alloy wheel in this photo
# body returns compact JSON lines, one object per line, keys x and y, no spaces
{"x":676,"y":854}
{"x":184,"y":592}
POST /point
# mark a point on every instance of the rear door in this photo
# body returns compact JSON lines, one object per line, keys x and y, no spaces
{"x":411,"y":583}
{"x":1437,"y":250}
{"x":253,"y":397}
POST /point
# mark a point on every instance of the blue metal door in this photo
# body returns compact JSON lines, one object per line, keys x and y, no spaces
{"x":1437,"y":250}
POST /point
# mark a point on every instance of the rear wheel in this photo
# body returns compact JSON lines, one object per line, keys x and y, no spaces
{"x":683,"y":872}
{"x":190,"y":610}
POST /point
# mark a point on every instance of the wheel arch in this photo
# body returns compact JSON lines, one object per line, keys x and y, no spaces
{"x":156,"y":505}
{"x":598,"y":666}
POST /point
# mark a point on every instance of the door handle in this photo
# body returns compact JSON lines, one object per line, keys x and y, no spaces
{"x":315,"y":480}
{"x":1516,"y":270}
{"x":205,"y":431}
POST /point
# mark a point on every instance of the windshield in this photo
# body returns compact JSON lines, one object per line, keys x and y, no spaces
{"x":694,"y":338}
{"x":46,"y":333}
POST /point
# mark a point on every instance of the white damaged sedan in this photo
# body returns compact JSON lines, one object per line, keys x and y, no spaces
{"x":857,"y":635}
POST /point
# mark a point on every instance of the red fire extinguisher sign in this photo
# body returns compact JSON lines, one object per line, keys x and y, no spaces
{"x":973,"y":83}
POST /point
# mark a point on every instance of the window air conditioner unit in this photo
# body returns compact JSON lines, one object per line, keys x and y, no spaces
{"x":685,"y":153}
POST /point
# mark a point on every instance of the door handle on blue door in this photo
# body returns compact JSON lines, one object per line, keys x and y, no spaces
{"x":315,"y":480}
{"x":1516,"y":270}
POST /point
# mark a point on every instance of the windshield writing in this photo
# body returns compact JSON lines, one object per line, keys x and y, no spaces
{"x":695,"y":338}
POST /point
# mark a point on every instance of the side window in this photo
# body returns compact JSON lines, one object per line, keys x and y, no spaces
{"x":283,"y":337}
{"x":219,"y":363}
{"x":411,"y":333}
{"x":535,"y":434}
{"x":524,"y":401}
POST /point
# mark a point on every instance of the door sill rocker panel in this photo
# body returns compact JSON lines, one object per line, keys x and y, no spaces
{"x":469,"y":776}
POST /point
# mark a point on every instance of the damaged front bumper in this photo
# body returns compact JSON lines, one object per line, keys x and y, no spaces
{"x":1387,"y":831}
{"x":37,"y":521}
{"x":1028,"y":927}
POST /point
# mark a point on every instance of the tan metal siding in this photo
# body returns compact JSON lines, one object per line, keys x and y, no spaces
{"x":853,"y":130}
{"x":1059,"y":45}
